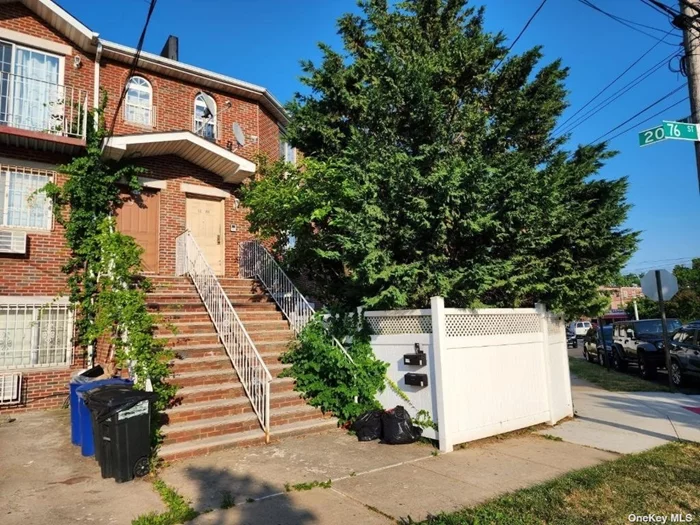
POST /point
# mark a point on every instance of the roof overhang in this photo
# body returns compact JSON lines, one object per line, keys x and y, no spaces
{"x":62,"y":21}
{"x":230,"y":167}
{"x":197,"y":75}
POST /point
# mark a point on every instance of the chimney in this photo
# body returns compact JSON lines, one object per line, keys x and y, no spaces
{"x":170,"y":49}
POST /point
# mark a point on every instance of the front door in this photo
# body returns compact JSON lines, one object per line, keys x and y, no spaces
{"x":138,"y":217}
{"x":205,"y":220}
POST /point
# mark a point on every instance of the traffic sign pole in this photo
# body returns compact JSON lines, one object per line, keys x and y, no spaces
{"x":667,"y":344}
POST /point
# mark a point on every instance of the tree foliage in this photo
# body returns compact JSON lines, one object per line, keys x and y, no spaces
{"x":685,"y":305}
{"x":430,"y":172}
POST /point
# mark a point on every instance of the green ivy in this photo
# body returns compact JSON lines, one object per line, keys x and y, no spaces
{"x":327,"y":378}
{"x":104,"y":269}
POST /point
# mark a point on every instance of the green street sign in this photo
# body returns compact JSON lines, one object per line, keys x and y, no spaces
{"x":651,"y":136}
{"x":669,"y":130}
{"x":680,"y":130}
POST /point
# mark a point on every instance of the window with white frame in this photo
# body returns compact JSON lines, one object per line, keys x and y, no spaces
{"x":22,"y":204}
{"x":205,"y":116}
{"x":31,"y":94}
{"x":35,"y":332}
{"x":287,"y":152}
{"x":138,"y":104}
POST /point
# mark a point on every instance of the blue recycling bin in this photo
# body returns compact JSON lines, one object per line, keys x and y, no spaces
{"x":78,"y":379}
{"x":87,"y":442}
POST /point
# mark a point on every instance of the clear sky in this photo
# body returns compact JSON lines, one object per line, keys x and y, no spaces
{"x":262,"y":41}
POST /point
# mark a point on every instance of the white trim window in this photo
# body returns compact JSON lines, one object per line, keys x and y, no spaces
{"x":287,"y":152}
{"x":31,"y":91}
{"x":22,"y":204}
{"x":138,"y":104}
{"x":205,"y":114}
{"x":35,"y":332}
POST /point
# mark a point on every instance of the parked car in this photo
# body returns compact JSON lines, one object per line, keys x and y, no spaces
{"x":579,"y":328}
{"x":571,"y":339}
{"x":641,"y":343}
{"x":593,"y":344}
{"x":685,"y":353}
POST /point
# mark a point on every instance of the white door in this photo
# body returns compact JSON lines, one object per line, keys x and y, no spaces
{"x":205,"y":219}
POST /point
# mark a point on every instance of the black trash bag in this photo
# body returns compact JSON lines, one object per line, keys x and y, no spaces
{"x":368,"y":426}
{"x":397,"y":427}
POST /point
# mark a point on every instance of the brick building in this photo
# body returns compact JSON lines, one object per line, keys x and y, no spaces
{"x":196,"y":131}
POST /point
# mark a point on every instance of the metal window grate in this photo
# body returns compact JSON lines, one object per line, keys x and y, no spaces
{"x":35,"y":334}
{"x":10,"y":389}
{"x":22,"y":204}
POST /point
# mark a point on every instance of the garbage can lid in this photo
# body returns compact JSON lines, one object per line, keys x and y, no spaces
{"x":92,"y":385}
{"x":110,"y":399}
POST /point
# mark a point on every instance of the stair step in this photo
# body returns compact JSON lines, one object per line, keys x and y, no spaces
{"x":195,"y":351}
{"x":227,"y":407}
{"x":184,"y":298}
{"x":272,"y":347}
{"x":225,"y":390}
{"x":251,"y":437}
{"x":193,"y":327}
{"x":267,"y":324}
{"x":271,"y":335}
{"x":178,"y":316}
{"x":216,"y":426}
{"x":251,"y":298}
{"x":250,"y":306}
{"x":199,"y":378}
{"x":181,"y":340}
{"x":175,"y":306}
{"x":201,"y":364}
{"x":265,"y":315}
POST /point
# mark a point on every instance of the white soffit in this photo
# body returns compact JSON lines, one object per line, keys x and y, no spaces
{"x":230,"y":167}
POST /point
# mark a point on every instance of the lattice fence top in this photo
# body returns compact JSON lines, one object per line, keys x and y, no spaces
{"x":470,"y":325}
{"x":405,"y":324}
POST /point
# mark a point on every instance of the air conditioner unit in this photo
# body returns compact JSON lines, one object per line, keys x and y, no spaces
{"x":13,"y":242}
{"x":10,"y":389}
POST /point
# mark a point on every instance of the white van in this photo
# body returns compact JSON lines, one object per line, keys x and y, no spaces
{"x":580,"y":328}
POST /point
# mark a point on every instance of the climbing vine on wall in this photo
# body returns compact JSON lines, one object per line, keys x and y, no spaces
{"x":104,"y":268}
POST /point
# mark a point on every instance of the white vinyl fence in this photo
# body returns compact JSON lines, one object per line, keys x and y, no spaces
{"x":489,"y":371}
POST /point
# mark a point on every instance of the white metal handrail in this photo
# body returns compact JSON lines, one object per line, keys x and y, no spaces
{"x":250,"y":367}
{"x":256,"y":262}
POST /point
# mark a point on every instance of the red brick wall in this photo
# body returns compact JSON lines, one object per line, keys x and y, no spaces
{"x":174,"y":103}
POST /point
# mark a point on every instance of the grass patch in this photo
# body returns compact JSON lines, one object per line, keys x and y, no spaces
{"x":662,"y":481}
{"x":227,"y":500}
{"x":551,"y":437}
{"x":611,"y":379}
{"x":307,"y":486}
{"x":179,"y":510}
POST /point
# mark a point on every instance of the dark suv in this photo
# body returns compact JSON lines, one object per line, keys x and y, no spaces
{"x":685,"y":353}
{"x":641,"y":343}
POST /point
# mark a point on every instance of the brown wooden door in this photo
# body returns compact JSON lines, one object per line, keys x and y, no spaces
{"x":139,"y":218}
{"x":205,"y":219}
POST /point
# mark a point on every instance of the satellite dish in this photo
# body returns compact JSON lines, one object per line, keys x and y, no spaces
{"x":238,"y":133}
{"x":209,"y":102}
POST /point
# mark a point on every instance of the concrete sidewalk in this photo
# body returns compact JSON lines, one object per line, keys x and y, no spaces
{"x":627,"y":422}
{"x":371,"y":483}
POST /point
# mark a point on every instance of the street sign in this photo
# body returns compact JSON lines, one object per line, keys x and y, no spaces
{"x":651,"y":136}
{"x":670,"y":129}
{"x":669,"y":285}
{"x":680,"y":130}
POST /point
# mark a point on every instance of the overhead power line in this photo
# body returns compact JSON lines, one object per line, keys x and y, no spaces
{"x":522,"y":32}
{"x":617,"y":94}
{"x":610,"y":84}
{"x":636,"y":125}
{"x":135,"y":62}
{"x":626,"y":22}
{"x":640,"y":112}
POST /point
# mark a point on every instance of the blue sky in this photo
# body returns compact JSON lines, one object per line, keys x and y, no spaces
{"x":262,"y":42}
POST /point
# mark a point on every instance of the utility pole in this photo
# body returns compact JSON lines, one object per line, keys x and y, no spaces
{"x":690,"y":11}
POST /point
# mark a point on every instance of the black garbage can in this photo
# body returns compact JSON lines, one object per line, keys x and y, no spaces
{"x":122,"y":424}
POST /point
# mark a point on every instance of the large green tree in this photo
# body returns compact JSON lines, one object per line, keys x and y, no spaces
{"x":431,"y":171}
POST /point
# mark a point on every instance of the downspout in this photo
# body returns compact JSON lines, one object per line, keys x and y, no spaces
{"x":96,"y":76}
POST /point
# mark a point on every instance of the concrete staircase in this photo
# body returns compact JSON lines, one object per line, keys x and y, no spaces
{"x":211,"y":410}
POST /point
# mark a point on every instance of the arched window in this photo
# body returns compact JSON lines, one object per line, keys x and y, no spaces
{"x":138,"y":105}
{"x":205,"y":116}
